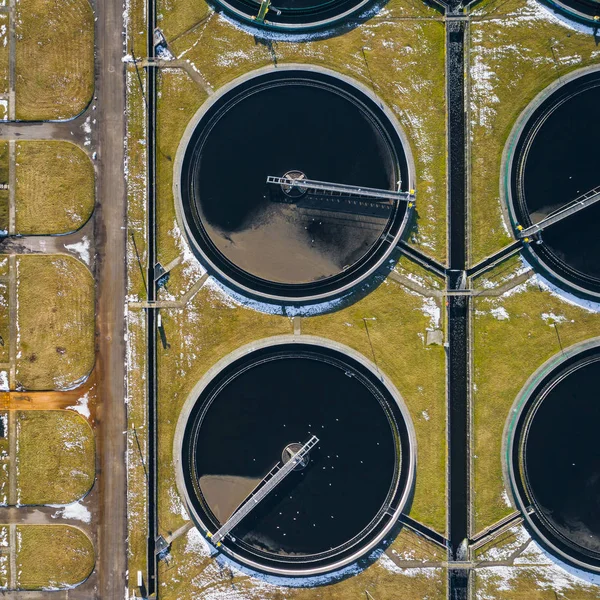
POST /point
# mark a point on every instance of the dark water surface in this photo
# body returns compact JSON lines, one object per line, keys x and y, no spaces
{"x":283,"y":122}
{"x":299,"y":13}
{"x":283,"y":397}
{"x":558,"y":160}
{"x":562,"y":456}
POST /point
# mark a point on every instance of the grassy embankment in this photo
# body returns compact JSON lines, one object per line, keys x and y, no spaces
{"x":4,"y":179}
{"x":516,"y":51}
{"x":4,"y":62}
{"x":511,"y":567}
{"x":56,"y":345}
{"x":191,"y":575}
{"x":54,"y":58}
{"x":4,"y":312}
{"x":55,"y":457}
{"x":510,"y":344}
{"x":136,"y":341}
{"x":57,"y":556}
{"x":55,"y":187}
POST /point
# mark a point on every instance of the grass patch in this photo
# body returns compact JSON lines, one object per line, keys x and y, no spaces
{"x":4,"y":472}
{"x":55,"y":457}
{"x":516,"y":51}
{"x":4,"y":557}
{"x":4,"y":322}
{"x":402,"y":60}
{"x":190,"y":575}
{"x":55,"y":318}
{"x":55,"y":187}
{"x":136,"y":336}
{"x":57,"y":556}
{"x":4,"y":59}
{"x":54,"y":58}
{"x":4,"y":198}
{"x":529,"y":583}
{"x":180,"y":98}
{"x":506,"y":353}
{"x":4,"y":157}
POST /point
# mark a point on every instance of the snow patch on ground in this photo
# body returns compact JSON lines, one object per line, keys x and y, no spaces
{"x":196,"y":544}
{"x":4,"y":381}
{"x":433,"y":311}
{"x":234,"y":299}
{"x":76,"y":511}
{"x":500,"y":313}
{"x":82,"y":406}
{"x":82,"y":249}
{"x":387,"y":563}
{"x":551,"y":318}
{"x":548,"y":572}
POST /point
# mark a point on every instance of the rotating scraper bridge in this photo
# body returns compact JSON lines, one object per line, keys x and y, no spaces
{"x":573,"y":207}
{"x":273,"y":478}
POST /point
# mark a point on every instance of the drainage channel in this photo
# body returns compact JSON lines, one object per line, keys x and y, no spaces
{"x":457,"y":306}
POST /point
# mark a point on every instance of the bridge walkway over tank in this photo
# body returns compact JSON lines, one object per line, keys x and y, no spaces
{"x":273,"y":478}
{"x":342,"y":189}
{"x":581,"y":202}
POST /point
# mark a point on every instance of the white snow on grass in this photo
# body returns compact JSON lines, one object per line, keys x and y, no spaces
{"x":81,"y":249}
{"x":4,"y":381}
{"x":500,"y":313}
{"x":233,"y":299}
{"x":551,"y":318}
{"x":75,"y":511}
{"x":176,"y":505}
{"x":82,"y":406}
{"x":535,"y":563}
{"x":389,"y":565}
{"x":433,"y":311}
{"x":196,"y":544}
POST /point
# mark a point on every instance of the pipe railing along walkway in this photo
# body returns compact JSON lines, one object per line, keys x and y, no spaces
{"x":573,"y":207}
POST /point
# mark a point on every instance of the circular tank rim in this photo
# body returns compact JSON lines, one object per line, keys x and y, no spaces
{"x":299,"y":28}
{"x":572,"y":13}
{"x":506,"y":168}
{"x":279,"y":340}
{"x":509,"y":441}
{"x":185,"y":140}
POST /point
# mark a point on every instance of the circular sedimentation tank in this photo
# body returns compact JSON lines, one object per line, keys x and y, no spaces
{"x":293,"y":15}
{"x":276,"y":243}
{"x":554,"y":459}
{"x":253,"y":414}
{"x":555,"y":161}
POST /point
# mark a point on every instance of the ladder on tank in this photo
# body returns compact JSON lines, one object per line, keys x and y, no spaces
{"x":273,"y":478}
{"x":563,"y":212}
